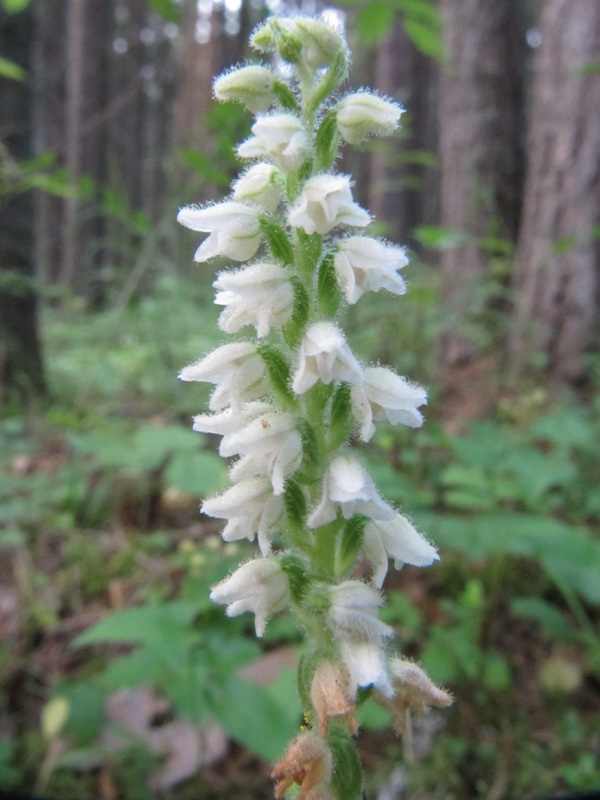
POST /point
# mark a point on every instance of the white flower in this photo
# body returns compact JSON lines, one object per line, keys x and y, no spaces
{"x":364,"y":265}
{"x":353,"y":619}
{"x":230,"y":420}
{"x":386,"y":396}
{"x":397,"y":539}
{"x":237,"y":369}
{"x":251,"y":509}
{"x":252,"y":86}
{"x":321,"y":42}
{"x":324,"y":202}
{"x":258,"y":185}
{"x":260,"y":295}
{"x":270,"y":445}
{"x":325,"y":356}
{"x":234,"y":230}
{"x":362,"y":114}
{"x":259,"y":586}
{"x":348,"y":485}
{"x":280,"y":137}
{"x":365,"y":662}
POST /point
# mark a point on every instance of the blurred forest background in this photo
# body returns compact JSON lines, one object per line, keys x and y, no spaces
{"x":119,"y":679}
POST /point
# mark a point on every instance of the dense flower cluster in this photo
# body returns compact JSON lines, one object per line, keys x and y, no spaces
{"x":291,"y":396}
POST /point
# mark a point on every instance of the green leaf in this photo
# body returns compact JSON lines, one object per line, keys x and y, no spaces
{"x":327,"y":143}
{"x":341,"y":421}
{"x":86,"y":709}
{"x":253,"y":718}
{"x":277,"y":240}
{"x":375,"y":20}
{"x":328,"y":291}
{"x":14,"y":6}
{"x":440,"y":238}
{"x":285,"y":96}
{"x":296,"y":575}
{"x":310,"y":442}
{"x":196,"y":473}
{"x":10,"y":70}
{"x":347,"y":769}
{"x":351,"y":540}
{"x":167,"y":9}
{"x":496,"y":672}
{"x":554,"y":622}
{"x":294,"y":329}
{"x":205,"y":166}
{"x":295,"y":503}
{"x":150,"y":625}
{"x":279,"y":373}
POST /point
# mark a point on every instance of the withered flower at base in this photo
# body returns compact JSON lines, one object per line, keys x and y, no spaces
{"x":308,"y":763}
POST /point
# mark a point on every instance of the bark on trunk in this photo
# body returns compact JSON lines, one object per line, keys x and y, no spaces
{"x":21,"y":370}
{"x":557,"y":271}
{"x":403,"y":187}
{"x":480,"y":145}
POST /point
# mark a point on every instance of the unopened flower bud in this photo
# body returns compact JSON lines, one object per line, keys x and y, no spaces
{"x":363,"y":114}
{"x":321,"y":43}
{"x":252,"y":86}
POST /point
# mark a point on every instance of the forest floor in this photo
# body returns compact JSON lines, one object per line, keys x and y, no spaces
{"x":99,"y":516}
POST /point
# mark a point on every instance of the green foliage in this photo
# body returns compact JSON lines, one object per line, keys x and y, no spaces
{"x":15,"y":6}
{"x":10,"y":70}
{"x":420,"y":19}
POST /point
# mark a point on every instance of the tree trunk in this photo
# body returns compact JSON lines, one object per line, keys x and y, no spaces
{"x":21,"y":370}
{"x":480,"y":145}
{"x":403,"y":187}
{"x":557,"y":269}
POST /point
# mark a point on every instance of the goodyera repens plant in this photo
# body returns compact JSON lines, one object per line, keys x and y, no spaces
{"x":291,"y":398}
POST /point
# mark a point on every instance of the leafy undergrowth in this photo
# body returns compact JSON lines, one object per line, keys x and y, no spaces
{"x":120,"y":678}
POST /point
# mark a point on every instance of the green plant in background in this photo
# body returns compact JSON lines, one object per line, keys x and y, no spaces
{"x":289,"y":402}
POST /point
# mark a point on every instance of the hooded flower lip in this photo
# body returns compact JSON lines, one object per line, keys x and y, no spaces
{"x":230,"y":420}
{"x":258,"y":185}
{"x":251,"y":509}
{"x":252,"y":85}
{"x":260,"y":295}
{"x":279,"y":137}
{"x":363,"y":264}
{"x":353,"y":619}
{"x":325,"y":202}
{"x":398,"y":539}
{"x":384,"y":395}
{"x":325,"y":356}
{"x":363,"y":114}
{"x":269,"y":445}
{"x":349,"y":486}
{"x":234,"y":229}
{"x":259,"y":586}
{"x":237,"y":369}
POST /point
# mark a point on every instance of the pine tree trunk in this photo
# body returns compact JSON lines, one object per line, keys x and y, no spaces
{"x":557,"y":264}
{"x":21,"y":369}
{"x":480,"y":145}
{"x":403,"y":189}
